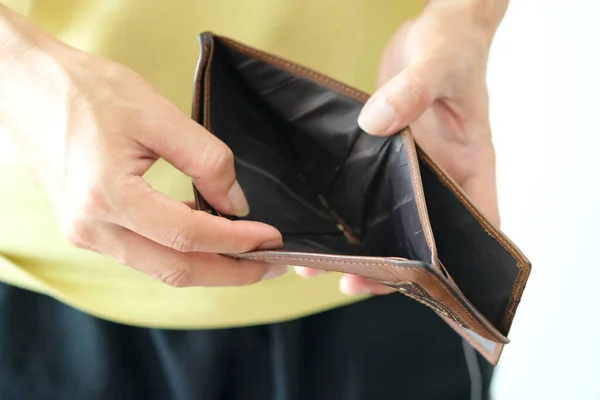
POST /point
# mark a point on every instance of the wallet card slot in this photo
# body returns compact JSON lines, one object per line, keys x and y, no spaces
{"x":480,"y":266}
{"x":268,"y":164}
{"x":283,"y":170}
{"x":300,"y":127}
{"x":314,"y":131}
{"x":324,"y":243}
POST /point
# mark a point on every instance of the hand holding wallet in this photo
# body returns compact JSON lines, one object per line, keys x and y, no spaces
{"x":350,"y":202}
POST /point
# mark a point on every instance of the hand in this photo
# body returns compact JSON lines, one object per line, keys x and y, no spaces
{"x":89,"y":129}
{"x":432,"y":77}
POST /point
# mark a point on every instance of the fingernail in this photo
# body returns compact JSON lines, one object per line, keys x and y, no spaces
{"x":238,"y":201}
{"x":271,"y":245}
{"x":376,"y":118}
{"x":274,"y":272}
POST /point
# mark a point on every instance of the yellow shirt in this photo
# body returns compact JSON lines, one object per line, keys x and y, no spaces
{"x":158,"y":38}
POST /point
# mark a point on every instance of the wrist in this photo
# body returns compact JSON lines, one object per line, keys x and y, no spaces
{"x":19,"y":40}
{"x":482,"y":15}
{"x":31,"y":67}
{"x":486,"y":14}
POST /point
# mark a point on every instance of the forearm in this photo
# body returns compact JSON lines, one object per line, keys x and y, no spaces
{"x":36,"y":90}
{"x":485,"y":15}
{"x":33,"y":79}
{"x":19,"y":38}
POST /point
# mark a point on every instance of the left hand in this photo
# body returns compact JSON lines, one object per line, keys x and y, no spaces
{"x":432,"y":77}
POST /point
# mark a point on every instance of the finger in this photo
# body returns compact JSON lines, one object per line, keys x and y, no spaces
{"x":141,"y":209}
{"x":191,"y":204}
{"x":180,"y":269}
{"x":206,"y":159}
{"x":402,"y":99}
{"x":354,"y":285}
{"x":306,"y":272}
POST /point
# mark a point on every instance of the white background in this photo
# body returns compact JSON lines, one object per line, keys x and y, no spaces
{"x":544,"y":79}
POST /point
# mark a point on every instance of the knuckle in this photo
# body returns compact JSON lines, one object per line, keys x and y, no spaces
{"x":91,"y":202}
{"x":77,"y":233}
{"x":221,"y":160}
{"x":184,"y":240}
{"x":417,"y":91}
{"x":125,"y":257}
{"x":176,"y":275}
{"x":233,"y":237}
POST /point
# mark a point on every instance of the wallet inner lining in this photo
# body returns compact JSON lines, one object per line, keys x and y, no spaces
{"x":307,"y":169}
{"x":482,"y":268}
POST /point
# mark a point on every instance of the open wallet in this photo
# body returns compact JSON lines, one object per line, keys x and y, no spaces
{"x":350,"y":202}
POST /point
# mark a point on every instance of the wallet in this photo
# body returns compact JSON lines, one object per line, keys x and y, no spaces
{"x":349,"y":202}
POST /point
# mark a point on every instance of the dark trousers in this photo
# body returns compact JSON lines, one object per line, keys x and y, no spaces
{"x":388,"y":347}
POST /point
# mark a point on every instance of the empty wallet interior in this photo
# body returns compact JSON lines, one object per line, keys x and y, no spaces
{"x":307,"y":169}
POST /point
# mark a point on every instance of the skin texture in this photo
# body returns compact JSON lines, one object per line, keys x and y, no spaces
{"x":432,"y":77}
{"x":99,"y":126}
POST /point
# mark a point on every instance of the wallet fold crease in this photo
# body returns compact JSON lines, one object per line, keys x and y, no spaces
{"x":350,"y":202}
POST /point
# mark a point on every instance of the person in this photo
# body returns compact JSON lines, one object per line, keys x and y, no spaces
{"x":113,"y":286}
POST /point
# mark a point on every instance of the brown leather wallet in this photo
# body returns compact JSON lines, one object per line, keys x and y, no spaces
{"x":349,"y":202}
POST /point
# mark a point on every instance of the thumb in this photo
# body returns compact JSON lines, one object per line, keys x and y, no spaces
{"x":207,"y":160}
{"x":401,"y":100}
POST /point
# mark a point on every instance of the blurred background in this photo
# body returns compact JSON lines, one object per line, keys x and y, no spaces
{"x":545,"y":111}
{"x":544,"y":86}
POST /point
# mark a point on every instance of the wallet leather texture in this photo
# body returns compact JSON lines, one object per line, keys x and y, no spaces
{"x":350,"y":202}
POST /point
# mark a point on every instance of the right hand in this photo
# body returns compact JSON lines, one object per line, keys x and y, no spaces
{"x":89,"y":129}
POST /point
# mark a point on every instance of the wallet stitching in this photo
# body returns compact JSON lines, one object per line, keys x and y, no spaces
{"x":443,"y":309}
{"x":207,"y":79}
{"x":518,"y":284}
{"x":274,"y":59}
{"x":420,"y":198}
{"x":520,"y":261}
{"x":372,"y":264}
{"x":203,"y":89}
{"x":361,"y":96}
{"x":358,"y":95}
